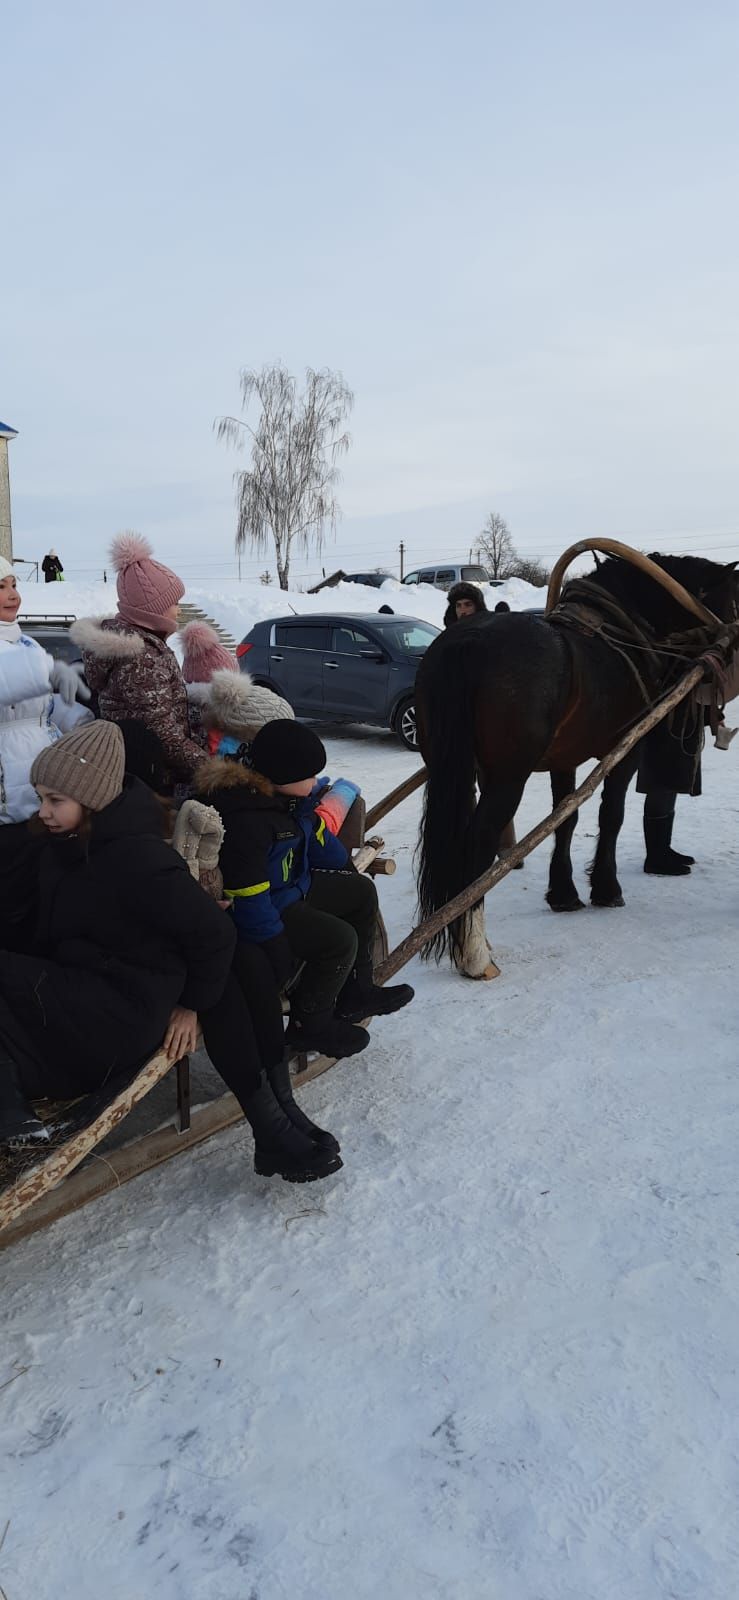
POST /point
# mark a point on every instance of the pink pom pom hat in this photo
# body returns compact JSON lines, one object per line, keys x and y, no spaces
{"x":146,"y":589}
{"x":203,"y":654}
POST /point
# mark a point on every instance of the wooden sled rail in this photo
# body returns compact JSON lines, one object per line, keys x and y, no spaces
{"x":427,"y":930}
{"x":394,"y":798}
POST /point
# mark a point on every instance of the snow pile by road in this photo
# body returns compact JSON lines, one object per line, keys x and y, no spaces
{"x":492,"y":1359}
{"x":238,"y":605}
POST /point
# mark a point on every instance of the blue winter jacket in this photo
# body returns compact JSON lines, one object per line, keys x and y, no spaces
{"x":271,"y":847}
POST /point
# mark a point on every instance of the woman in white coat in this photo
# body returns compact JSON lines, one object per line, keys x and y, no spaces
{"x":37,"y":704}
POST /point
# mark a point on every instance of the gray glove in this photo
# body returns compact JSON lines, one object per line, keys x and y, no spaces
{"x":67,"y":679}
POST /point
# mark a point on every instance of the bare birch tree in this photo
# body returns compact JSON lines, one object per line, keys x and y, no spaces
{"x":287,"y":494}
{"x":496,"y":546}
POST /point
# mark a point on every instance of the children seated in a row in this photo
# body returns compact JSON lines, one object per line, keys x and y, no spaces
{"x":132,"y":951}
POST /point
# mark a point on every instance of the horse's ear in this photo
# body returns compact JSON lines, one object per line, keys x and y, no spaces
{"x":731,"y":566}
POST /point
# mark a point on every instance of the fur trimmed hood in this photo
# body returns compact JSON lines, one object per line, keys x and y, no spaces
{"x":219,"y":774}
{"x":114,"y":643}
{"x":233,"y":703}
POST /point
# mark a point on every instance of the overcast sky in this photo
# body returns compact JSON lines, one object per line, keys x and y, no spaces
{"x":513,"y":229}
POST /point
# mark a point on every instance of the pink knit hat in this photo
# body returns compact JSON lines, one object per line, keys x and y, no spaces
{"x":146,"y":589}
{"x":203,"y":654}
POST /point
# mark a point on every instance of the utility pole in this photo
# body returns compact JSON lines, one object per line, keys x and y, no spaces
{"x":402,"y":560}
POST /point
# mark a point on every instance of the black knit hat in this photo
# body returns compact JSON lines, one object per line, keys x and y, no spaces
{"x":287,"y":752}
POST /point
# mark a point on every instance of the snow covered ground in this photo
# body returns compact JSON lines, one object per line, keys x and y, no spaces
{"x":495,"y":1358}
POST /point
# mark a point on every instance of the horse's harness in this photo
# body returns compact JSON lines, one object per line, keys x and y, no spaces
{"x":589,"y":610}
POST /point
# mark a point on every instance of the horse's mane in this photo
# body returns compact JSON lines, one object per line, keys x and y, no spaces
{"x":640,"y":595}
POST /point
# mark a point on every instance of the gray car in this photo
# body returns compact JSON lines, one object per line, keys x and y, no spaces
{"x":336,"y":668}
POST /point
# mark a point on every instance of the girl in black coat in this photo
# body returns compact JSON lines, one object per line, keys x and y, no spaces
{"x":131,"y":952}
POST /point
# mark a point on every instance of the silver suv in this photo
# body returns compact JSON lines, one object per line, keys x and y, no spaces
{"x":444,"y":575}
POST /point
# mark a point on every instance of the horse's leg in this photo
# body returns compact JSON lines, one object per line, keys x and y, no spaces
{"x":605,"y":889}
{"x":562,"y":894}
{"x":497,"y":805}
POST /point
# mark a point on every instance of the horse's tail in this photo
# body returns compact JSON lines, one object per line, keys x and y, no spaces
{"x":447,"y":715}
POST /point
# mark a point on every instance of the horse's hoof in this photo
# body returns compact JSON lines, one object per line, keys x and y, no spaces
{"x":565,"y":905}
{"x":491,"y":971}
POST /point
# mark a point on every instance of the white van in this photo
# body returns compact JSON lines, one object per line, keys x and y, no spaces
{"x":448,"y":573}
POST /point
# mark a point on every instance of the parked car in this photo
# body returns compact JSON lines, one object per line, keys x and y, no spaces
{"x":445,"y":574}
{"x":338,"y":668}
{"x":374,"y":580}
{"x":52,"y":633}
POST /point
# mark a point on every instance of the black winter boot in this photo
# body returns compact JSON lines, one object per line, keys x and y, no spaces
{"x":661,"y":860}
{"x":361,"y":997}
{"x":279,"y":1147}
{"x":19,"y":1124}
{"x":279,"y":1080}
{"x":328,"y":1034}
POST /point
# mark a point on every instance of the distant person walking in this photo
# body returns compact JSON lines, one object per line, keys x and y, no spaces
{"x":52,"y":568}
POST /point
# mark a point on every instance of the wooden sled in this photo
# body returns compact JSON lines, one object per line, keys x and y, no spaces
{"x":38,"y":1187}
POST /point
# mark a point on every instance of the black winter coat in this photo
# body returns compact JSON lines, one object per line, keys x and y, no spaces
{"x":670,"y":756}
{"x":127,"y":934}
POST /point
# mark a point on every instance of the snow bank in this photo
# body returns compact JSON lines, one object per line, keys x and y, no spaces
{"x":238,"y":605}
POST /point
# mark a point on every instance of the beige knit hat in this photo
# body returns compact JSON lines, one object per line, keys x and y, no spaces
{"x":86,"y":765}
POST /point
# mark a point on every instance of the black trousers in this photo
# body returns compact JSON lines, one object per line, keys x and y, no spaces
{"x":243,"y":1033}
{"x":332,"y":931}
{"x":19,"y":857}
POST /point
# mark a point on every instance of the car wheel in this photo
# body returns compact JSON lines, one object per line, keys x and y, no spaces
{"x":405,"y":724}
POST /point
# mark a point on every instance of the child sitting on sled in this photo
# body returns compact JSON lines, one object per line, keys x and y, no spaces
{"x":294,"y":890}
{"x":132,"y":952}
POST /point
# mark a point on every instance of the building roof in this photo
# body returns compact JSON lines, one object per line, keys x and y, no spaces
{"x":7,"y":432}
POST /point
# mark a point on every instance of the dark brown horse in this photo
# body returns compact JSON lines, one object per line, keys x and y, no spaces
{"x":501,"y":697}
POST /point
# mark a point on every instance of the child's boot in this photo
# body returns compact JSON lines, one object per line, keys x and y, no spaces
{"x":279,"y":1080}
{"x":281,"y":1149}
{"x":362,"y":997}
{"x":326,"y":1033}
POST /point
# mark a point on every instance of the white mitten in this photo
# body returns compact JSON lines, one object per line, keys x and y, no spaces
{"x":198,"y":836}
{"x":67,"y":680}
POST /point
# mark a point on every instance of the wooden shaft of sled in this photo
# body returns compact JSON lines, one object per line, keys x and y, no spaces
{"x":394,"y":798}
{"x":614,"y":547}
{"x":469,"y":897}
{"x":382,"y":866}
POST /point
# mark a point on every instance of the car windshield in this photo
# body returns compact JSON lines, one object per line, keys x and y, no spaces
{"x":409,"y":637}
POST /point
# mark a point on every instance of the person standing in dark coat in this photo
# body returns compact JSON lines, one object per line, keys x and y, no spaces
{"x":669,"y":765}
{"x":131,"y":952}
{"x":51,"y":567}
